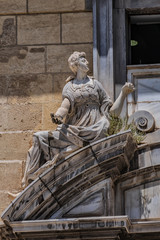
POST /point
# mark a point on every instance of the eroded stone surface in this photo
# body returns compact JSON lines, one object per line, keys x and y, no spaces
{"x":7,"y":31}
{"x":13,"y":169}
{"x":26,"y":88}
{"x":12,"y":6}
{"x":55,"y":5}
{"x":15,"y":145}
{"x":4,"y":200}
{"x":20,"y":117}
{"x":3,"y":91}
{"x":39,"y":29}
{"x":77,"y":27}
{"x":19,"y":60}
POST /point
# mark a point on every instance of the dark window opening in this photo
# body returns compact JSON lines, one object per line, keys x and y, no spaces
{"x":145,"y":39}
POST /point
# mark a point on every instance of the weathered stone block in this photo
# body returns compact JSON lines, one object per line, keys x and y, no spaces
{"x":19,"y":60}
{"x":26,"y":88}
{"x":77,"y":27}
{"x":11,"y":175}
{"x":47,"y":109}
{"x":4,"y":201}
{"x":15,"y":145}
{"x":7,"y":31}
{"x":36,"y":6}
{"x":12,"y":6}
{"x":16,"y":117}
{"x":39,"y":29}
{"x":57,"y":56}
{"x":3,"y":90}
{"x":58,"y":84}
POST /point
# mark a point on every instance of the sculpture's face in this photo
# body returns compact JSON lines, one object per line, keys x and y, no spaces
{"x":83,"y":64}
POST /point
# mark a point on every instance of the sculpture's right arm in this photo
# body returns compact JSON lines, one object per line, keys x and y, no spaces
{"x":64,"y":108}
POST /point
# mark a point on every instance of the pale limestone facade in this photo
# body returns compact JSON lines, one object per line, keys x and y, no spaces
{"x":36,"y":39}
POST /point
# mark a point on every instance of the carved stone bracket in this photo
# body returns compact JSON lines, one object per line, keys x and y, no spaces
{"x":143,"y":120}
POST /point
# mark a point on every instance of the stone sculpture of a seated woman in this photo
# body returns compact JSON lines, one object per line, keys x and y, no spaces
{"x":82,"y":118}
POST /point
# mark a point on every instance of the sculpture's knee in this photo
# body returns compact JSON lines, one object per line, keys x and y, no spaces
{"x":38,"y":136}
{"x":35,"y":140}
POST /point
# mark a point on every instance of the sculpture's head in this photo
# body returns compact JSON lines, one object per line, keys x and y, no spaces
{"x":78,"y":59}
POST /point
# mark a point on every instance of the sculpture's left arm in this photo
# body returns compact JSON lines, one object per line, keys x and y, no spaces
{"x":116,"y":108}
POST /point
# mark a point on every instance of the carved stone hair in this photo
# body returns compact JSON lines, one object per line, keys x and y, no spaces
{"x":73,"y":60}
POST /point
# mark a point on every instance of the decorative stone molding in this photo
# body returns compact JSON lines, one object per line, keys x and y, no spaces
{"x":117,"y":227}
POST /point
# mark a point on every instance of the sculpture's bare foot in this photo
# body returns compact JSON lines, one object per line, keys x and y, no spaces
{"x":12,"y":196}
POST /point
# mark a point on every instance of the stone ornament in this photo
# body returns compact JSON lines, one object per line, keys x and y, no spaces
{"x":143,"y":120}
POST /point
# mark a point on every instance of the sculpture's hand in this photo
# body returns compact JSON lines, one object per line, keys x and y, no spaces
{"x":127,"y":88}
{"x":56,"y":119}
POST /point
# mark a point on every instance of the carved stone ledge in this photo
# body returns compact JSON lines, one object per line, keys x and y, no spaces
{"x":80,"y":228}
{"x":107,"y":228}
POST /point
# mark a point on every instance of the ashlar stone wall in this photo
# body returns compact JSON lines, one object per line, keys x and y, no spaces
{"x":36,"y":39}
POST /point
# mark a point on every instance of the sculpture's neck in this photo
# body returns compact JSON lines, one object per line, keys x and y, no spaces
{"x":81,"y":75}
